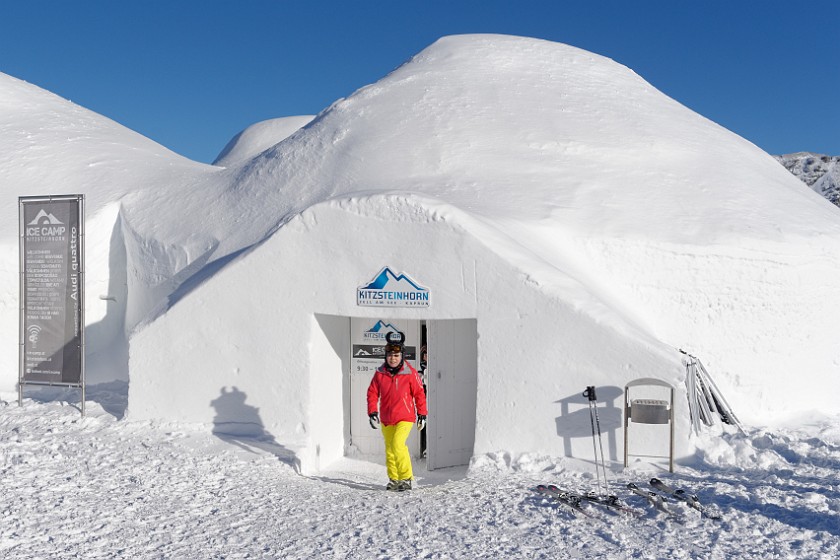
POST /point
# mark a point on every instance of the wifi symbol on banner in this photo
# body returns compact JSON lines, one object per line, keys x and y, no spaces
{"x":34,"y":331}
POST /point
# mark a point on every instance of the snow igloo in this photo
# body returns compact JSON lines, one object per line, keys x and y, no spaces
{"x":572,"y":227}
{"x":543,"y":219}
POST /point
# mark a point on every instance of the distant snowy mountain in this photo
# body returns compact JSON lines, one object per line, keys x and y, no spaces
{"x":818,"y":171}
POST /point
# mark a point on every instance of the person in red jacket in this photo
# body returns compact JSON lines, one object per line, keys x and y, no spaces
{"x":396,"y":400}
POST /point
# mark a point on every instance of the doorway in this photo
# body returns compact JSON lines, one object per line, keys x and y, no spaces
{"x":451,"y":381}
{"x":367,"y":352}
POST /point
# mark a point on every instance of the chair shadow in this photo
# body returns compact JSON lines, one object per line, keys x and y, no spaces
{"x":576,"y":420}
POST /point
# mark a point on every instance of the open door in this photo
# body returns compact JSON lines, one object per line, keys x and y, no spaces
{"x":452,"y":385}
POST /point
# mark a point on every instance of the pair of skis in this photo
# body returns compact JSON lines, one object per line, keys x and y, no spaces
{"x":679,"y":494}
{"x":575,"y":500}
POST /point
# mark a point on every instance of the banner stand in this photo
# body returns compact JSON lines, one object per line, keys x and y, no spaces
{"x":52,"y":282}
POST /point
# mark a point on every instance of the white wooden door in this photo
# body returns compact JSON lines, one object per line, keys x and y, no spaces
{"x":452,"y":385}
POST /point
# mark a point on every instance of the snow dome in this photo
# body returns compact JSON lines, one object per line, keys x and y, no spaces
{"x":573,"y":226}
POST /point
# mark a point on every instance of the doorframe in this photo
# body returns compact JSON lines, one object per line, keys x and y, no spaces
{"x":352,"y":415}
{"x":435,"y":414}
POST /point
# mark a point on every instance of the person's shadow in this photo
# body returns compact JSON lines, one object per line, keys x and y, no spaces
{"x":240,"y":424}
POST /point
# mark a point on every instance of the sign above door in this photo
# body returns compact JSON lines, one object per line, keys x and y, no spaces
{"x":387,"y":289}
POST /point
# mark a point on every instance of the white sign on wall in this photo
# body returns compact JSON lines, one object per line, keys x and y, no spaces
{"x":392,"y":290}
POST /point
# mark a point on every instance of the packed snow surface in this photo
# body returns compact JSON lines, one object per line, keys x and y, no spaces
{"x":95,"y":487}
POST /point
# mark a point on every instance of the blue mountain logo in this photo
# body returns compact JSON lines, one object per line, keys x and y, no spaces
{"x":386,"y":276}
{"x":382,"y":328}
{"x":389,"y":289}
{"x":379,"y":331}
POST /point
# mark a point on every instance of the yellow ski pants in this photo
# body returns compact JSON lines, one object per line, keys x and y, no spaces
{"x":397,"y":457}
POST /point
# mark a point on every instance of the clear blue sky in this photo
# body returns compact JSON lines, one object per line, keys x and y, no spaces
{"x":191,"y":74}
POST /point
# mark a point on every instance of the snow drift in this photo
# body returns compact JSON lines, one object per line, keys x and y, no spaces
{"x":259,"y":137}
{"x":600,"y":191}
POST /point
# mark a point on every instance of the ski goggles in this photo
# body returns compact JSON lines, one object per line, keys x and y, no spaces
{"x":393,"y":349}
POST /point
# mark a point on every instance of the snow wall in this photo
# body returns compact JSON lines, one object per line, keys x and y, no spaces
{"x":278,"y":337}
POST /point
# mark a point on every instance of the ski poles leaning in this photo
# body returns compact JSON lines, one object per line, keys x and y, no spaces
{"x":600,"y":461}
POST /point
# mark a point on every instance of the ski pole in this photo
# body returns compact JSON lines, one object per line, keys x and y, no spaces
{"x":593,"y":419}
{"x":600,"y":441}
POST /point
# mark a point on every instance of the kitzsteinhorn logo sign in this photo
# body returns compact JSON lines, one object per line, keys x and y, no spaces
{"x":395,"y":290}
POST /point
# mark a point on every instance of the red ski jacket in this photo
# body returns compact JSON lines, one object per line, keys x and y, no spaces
{"x":397,"y":395}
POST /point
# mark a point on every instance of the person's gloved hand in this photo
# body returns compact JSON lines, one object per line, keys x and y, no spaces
{"x":374,"y":420}
{"x":421,"y":421}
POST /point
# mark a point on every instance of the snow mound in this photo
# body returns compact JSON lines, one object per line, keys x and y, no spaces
{"x":259,"y":137}
{"x":539,"y":133}
{"x":51,"y":146}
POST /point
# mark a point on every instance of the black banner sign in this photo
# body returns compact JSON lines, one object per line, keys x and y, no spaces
{"x":378,"y":351}
{"x":52,"y":289}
